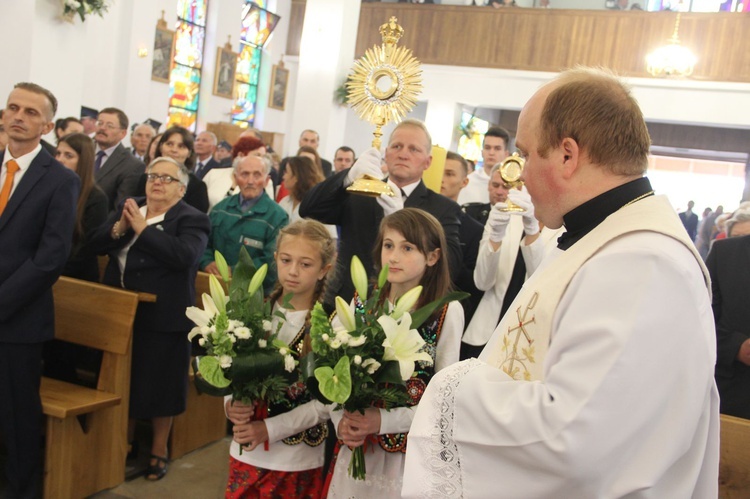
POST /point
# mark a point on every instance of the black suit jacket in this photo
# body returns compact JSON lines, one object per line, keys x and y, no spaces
{"x":729,"y":266}
{"x":470,"y":234}
{"x":82,"y":263}
{"x":118,"y":176}
{"x":36,"y":233}
{"x":211,"y":163}
{"x":690,"y":222}
{"x":163,"y":260}
{"x":359,"y":218}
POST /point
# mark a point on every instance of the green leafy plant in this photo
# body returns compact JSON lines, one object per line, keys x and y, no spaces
{"x":84,"y":8}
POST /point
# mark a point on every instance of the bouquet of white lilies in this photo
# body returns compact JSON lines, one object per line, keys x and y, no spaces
{"x":365,"y":358}
{"x":244,"y":357}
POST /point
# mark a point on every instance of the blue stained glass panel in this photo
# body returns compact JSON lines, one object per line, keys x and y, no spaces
{"x":244,"y":106}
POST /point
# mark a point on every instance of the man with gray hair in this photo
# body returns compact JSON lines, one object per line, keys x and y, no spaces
{"x":407,"y":155}
{"x":205,"y":147}
{"x":249,"y":219}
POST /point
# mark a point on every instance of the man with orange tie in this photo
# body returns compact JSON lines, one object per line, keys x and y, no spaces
{"x":38,"y":199}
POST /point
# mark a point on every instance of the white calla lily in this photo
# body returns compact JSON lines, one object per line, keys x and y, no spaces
{"x":402,"y":344}
{"x":345,"y":314}
{"x":406,"y":302}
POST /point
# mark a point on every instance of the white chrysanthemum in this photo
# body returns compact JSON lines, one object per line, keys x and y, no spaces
{"x":242,"y":333}
{"x":343,"y":336}
{"x":267,"y":326}
{"x":225,"y":361}
{"x":232,"y":338}
{"x":284,"y":351}
{"x":335,"y":343}
{"x":325,"y":337}
{"x":371,"y":365}
{"x":262,"y":343}
{"x":289,"y":363}
{"x":357,"y":360}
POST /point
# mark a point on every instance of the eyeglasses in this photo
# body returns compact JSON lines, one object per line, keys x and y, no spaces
{"x":107,"y":126}
{"x":166,"y":179}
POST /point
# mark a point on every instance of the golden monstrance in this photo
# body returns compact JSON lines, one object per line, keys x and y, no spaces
{"x":510,"y":171}
{"x":382,"y":88}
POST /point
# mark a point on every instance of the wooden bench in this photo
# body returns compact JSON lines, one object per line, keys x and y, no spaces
{"x":86,"y":434}
{"x":203,"y":421}
{"x":734,"y":461}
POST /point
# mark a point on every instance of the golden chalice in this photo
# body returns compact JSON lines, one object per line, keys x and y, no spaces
{"x":383,"y":87}
{"x":510,"y":171}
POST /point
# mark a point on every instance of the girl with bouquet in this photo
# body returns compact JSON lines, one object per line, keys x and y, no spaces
{"x":412,"y":244}
{"x":291,"y":467}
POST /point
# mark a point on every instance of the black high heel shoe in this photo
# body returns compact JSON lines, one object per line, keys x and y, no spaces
{"x":158,"y":470}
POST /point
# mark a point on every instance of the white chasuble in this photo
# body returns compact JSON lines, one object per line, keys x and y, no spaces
{"x":598,"y":381}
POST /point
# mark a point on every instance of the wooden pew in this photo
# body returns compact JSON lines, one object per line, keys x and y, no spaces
{"x":734,"y":461}
{"x":203,"y":421}
{"x":86,"y":435}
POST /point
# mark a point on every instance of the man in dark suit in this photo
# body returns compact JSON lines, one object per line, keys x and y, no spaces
{"x":407,"y":156}
{"x":690,"y":220}
{"x":205,"y":147}
{"x":140,"y":139}
{"x":116,"y":170}
{"x":309,"y":138}
{"x":728,"y":263}
{"x":37,"y":215}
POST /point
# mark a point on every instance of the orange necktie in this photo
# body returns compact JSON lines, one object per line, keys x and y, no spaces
{"x":8,"y":185}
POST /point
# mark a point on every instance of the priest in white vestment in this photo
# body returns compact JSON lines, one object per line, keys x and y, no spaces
{"x":598,"y":381}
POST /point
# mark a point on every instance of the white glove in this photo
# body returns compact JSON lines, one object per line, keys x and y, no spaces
{"x":522,"y":199}
{"x":391,"y":204}
{"x":497,"y":222}
{"x":367,"y":164}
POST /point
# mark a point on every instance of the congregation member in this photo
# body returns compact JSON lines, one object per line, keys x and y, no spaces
{"x":88,"y":120}
{"x":223,"y":154}
{"x":248,"y":219}
{"x":690,"y":220}
{"x":310,"y":138}
{"x":300,"y":176}
{"x":455,"y":178}
{"x":407,"y":156}
{"x":151,"y":152}
{"x":205,"y":147}
{"x":510,"y":251}
{"x":76,"y":153}
{"x":66,"y":126}
{"x":292,"y":464}
{"x":739,"y":223}
{"x":494,"y":150}
{"x":154,"y":244}
{"x":305,"y":152}
{"x":220,"y":182}
{"x":579,"y":392}
{"x":177,"y":143}
{"x":116,"y":171}
{"x":344,"y":158}
{"x":3,"y":133}
{"x":729,"y":265}
{"x":37,"y":218}
{"x":140,"y":138}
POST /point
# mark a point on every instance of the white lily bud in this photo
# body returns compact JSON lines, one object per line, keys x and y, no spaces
{"x":406,"y":302}
{"x":217,"y":294}
{"x":345,"y":314}
{"x":359,"y":277}
{"x":257,"y":279}
{"x":221,"y":264}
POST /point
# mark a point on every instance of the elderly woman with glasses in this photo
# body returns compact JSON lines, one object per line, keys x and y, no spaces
{"x":154,"y":244}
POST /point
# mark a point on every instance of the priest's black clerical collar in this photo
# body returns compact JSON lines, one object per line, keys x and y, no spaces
{"x":583,"y":219}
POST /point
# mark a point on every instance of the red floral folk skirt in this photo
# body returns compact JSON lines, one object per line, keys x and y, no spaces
{"x":248,"y":481}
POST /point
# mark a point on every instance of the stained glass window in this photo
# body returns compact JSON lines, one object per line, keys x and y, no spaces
{"x":185,"y":77}
{"x":255,"y":30}
{"x":472,"y":136}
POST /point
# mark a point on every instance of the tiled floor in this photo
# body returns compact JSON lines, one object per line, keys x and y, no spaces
{"x":202,"y":474}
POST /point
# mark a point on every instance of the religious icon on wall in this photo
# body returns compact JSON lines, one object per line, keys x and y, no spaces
{"x":226,"y":65}
{"x":163,"y":52}
{"x":279,"y":80}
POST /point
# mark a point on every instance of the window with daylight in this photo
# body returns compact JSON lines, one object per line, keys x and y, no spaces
{"x":185,"y":78}
{"x":255,"y":31}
